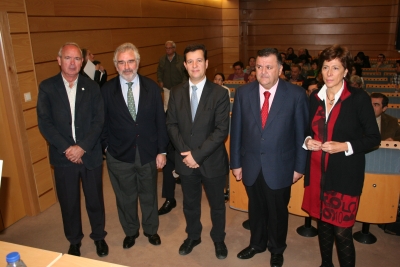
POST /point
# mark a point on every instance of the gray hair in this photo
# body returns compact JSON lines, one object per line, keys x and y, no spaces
{"x":69,"y":43}
{"x":125,"y":47}
{"x":171,"y":42}
{"x":356,"y":79}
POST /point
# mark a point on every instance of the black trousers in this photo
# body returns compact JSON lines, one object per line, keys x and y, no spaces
{"x":192,"y":191}
{"x":133,"y":181}
{"x":268,"y":214}
{"x":69,"y":195}
{"x":168,"y":186}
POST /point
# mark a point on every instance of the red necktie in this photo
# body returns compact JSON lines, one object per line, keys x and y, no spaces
{"x":265,"y":108}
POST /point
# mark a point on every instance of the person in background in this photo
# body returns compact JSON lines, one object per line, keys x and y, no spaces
{"x":252,"y":65}
{"x":135,"y":141}
{"x":100,"y":74}
{"x":380,"y":62}
{"x":239,"y":74}
{"x":198,"y":124}
{"x":286,"y":67}
{"x":219,"y":79}
{"x":396,"y":77}
{"x":290,"y":55}
{"x":342,"y":129}
{"x":362,"y":60}
{"x":388,"y":125}
{"x":310,"y":85}
{"x":70,"y":115}
{"x":356,"y":81}
{"x":252,"y":76}
{"x":313,"y":68}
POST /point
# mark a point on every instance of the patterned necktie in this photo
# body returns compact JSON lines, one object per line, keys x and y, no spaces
{"x":131,"y":101}
{"x":265,"y":108}
{"x":193,"y":101}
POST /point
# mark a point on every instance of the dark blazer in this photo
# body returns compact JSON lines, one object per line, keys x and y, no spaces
{"x":54,"y":119}
{"x":206,"y":135}
{"x":276,"y":149}
{"x":389,"y":127}
{"x":121,"y":133}
{"x":356,"y":124}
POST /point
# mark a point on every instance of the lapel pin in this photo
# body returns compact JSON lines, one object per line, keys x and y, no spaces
{"x":83,"y":89}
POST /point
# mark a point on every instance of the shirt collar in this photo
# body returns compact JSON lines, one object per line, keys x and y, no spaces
{"x":67,"y":82}
{"x":124,"y":82}
{"x":199,"y":85}
{"x":272,"y":90}
{"x":322,"y":93}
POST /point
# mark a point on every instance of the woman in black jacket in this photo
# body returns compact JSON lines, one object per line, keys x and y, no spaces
{"x":343,"y":128}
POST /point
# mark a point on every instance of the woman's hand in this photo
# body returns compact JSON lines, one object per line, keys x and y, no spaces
{"x":332,"y":147}
{"x":313,"y":145}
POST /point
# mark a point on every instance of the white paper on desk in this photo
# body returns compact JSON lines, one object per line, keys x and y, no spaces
{"x":90,"y":69}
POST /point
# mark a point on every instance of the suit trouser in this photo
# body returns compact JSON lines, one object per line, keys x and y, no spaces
{"x":132,"y":181}
{"x":69,"y":195}
{"x":192,"y":191}
{"x":268,"y":216}
{"x":168,"y":186}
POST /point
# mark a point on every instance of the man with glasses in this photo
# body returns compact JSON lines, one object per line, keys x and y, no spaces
{"x":70,"y":117}
{"x":135,"y":140}
{"x":380,"y":62}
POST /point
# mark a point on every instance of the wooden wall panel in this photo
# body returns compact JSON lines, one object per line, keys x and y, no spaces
{"x":22,"y":52}
{"x":43,"y":177}
{"x":362,"y":25}
{"x":30,"y":118}
{"x":12,"y":5}
{"x":47,"y":199}
{"x":27,"y":84}
{"x":46,"y":70}
{"x":18,"y":23}
{"x":37,"y":144}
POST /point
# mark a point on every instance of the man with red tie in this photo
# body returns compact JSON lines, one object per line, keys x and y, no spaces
{"x":269,"y":119}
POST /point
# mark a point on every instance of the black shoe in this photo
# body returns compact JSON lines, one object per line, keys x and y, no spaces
{"x":101,"y":248}
{"x":276,"y":260}
{"x":129,"y":241}
{"x":248,"y":253}
{"x":153,"y":239}
{"x":246,"y":224}
{"x":168,"y":205}
{"x":220,"y":250}
{"x":74,"y":249}
{"x":188,"y":246}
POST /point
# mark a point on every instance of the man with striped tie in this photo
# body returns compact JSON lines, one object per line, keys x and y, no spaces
{"x":135,"y":140}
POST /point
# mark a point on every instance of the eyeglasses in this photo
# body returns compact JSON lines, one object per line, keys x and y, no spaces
{"x":129,"y":62}
{"x":169,"y":48}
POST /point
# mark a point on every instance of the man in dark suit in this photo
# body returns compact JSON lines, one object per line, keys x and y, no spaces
{"x":269,"y":119}
{"x":135,"y":139}
{"x":70,"y":117}
{"x":198,"y":124}
{"x":388,"y":125}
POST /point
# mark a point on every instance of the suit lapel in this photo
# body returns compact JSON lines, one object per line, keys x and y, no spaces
{"x":80,"y":91}
{"x":254,"y":104}
{"x":277,"y":103}
{"x":142,"y":98}
{"x":120,"y":98}
{"x":207,"y":90}
{"x":60,"y":87}
{"x":186,"y":100}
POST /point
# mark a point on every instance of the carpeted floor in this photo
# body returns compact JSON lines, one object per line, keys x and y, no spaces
{"x":45,"y":231}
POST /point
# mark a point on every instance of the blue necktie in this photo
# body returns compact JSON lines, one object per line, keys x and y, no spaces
{"x":193,"y":101}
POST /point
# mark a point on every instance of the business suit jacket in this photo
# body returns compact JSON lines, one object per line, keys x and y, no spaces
{"x":54,"y":119}
{"x":389,"y":127}
{"x":276,"y":149}
{"x":121,"y":134}
{"x":205,"y":136}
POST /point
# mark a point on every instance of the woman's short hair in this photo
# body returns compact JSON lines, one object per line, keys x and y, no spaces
{"x":342,"y":54}
{"x":220,"y":74}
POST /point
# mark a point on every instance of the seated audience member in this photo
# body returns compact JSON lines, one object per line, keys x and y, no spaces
{"x":219,"y":79}
{"x":396,"y":76}
{"x":362,"y":60}
{"x":388,"y":125}
{"x":239,"y":74}
{"x":295,"y":74}
{"x":356,"y":81}
{"x":252,"y":76}
{"x":301,"y":52}
{"x":310,"y":85}
{"x":305,"y":62}
{"x":100,"y":74}
{"x":284,"y":65}
{"x":290,"y":55}
{"x":356,"y":70}
{"x":308,"y":54}
{"x":380,"y":62}
{"x":251,"y":66}
{"x":313,"y":68}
